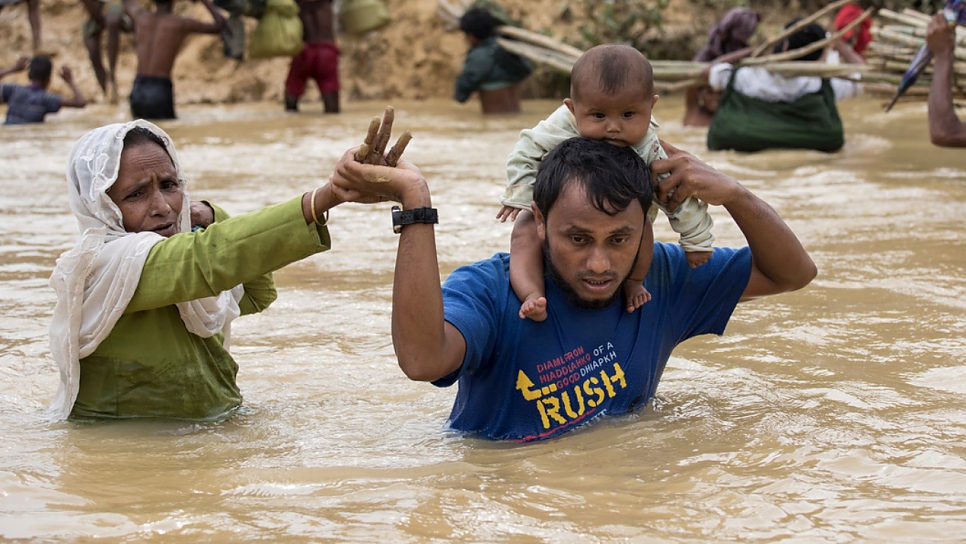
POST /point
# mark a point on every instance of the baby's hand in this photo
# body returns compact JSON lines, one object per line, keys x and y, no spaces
{"x":698,"y":258}
{"x":507,"y":212}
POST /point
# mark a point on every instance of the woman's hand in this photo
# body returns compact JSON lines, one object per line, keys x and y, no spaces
{"x":201,"y":214}
{"x":369,"y":183}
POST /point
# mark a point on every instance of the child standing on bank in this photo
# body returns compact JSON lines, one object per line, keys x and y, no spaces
{"x":611,"y":98}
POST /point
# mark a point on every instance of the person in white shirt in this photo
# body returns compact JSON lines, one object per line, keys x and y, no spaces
{"x":761,"y":110}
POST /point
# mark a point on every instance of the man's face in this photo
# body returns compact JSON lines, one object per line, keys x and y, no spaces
{"x":620,"y":118}
{"x":590,"y":253}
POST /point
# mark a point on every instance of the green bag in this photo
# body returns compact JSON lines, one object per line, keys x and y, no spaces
{"x":744,"y":123}
{"x":279,"y":31}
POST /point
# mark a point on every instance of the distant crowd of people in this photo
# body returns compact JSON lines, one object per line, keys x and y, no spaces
{"x":746,"y":108}
{"x":160,"y":34}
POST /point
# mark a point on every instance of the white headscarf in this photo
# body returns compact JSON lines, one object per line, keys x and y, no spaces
{"x":96,"y":279}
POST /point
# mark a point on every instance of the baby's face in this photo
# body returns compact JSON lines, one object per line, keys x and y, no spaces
{"x":621,"y":118}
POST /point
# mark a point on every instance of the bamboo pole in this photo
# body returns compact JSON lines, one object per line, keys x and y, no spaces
{"x":815,"y":46}
{"x":537,"y":53}
{"x":797,"y":26}
{"x":539,"y":39}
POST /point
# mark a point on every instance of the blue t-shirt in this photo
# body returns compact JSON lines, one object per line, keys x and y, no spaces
{"x":28,"y":104}
{"x":523,"y":380}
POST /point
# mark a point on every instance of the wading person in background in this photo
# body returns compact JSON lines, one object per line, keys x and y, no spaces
{"x":31,"y":103}
{"x":319,"y":60}
{"x":525,"y":380}
{"x":160,"y":34}
{"x":492,"y":72}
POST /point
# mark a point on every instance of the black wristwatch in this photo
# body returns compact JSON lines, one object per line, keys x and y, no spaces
{"x":400,"y":218}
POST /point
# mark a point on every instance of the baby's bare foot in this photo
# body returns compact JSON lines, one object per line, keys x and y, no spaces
{"x":635,"y":294}
{"x":534,"y":307}
{"x":698,"y":258}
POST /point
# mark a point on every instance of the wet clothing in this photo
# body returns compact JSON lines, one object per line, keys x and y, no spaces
{"x":690,"y":220}
{"x":150,"y":365}
{"x":319,"y":61}
{"x":28,"y":103}
{"x":152,"y":97}
{"x":758,"y":82}
{"x":760,"y":110}
{"x":525,"y":380}
{"x":489,"y":66}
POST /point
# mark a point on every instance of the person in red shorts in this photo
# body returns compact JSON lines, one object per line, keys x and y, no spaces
{"x":319,"y":60}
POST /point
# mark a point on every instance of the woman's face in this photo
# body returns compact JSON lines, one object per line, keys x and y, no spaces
{"x":147,"y":190}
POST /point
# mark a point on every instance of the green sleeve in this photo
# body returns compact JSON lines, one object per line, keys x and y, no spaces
{"x":230,"y":251}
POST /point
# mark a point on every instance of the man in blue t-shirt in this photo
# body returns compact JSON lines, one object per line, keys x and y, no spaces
{"x":525,"y":380}
{"x":31,"y":103}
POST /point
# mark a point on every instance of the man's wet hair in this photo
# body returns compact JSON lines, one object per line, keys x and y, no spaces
{"x":806,"y":35}
{"x":611,"y":68}
{"x":479,"y":23}
{"x":612,"y":176}
{"x":39,"y":68}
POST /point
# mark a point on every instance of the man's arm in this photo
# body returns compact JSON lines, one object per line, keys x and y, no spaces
{"x":945,"y":128}
{"x":201,"y":27}
{"x":426,"y":346}
{"x":76,"y":101}
{"x":779,"y":262}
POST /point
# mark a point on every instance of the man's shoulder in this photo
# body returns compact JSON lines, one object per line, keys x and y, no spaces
{"x":495,"y":267}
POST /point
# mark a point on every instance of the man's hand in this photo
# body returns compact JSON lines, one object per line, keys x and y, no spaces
{"x":21,"y":64}
{"x":689,"y":176}
{"x":939,"y":36}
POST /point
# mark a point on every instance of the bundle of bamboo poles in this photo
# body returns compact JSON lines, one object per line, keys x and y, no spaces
{"x":888,"y":59}
{"x":896,"y":38}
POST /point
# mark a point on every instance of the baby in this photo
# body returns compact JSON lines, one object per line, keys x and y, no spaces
{"x":611,"y":98}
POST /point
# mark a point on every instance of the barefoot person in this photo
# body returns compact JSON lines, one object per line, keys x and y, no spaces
{"x":33,"y":15}
{"x":160,"y":34}
{"x":319,"y":60}
{"x":105,"y":15}
{"x":611,"y":99}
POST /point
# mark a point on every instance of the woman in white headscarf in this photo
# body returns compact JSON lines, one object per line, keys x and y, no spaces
{"x":144,"y":303}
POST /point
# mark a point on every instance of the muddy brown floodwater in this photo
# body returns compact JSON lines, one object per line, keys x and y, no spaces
{"x":833,"y":414}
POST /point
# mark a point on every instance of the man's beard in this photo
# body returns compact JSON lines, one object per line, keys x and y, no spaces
{"x":571,"y":293}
